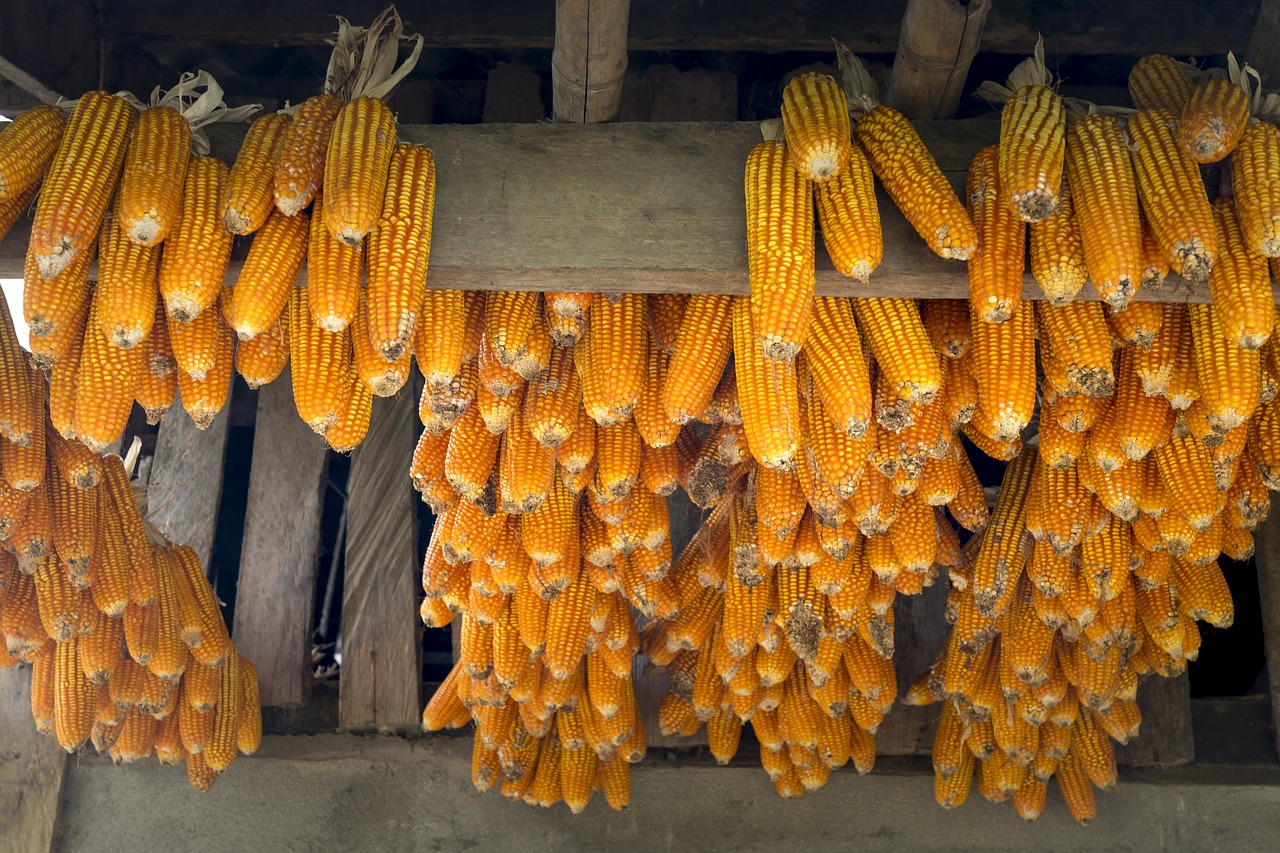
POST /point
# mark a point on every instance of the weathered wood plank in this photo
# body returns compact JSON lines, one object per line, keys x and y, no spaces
{"x":1267,"y":557}
{"x":186,"y":480}
{"x":1165,"y":739}
{"x":635,"y":207}
{"x":589,"y":59}
{"x":381,"y":640}
{"x":936,"y":46}
{"x":920,"y":631}
{"x":1264,"y":46}
{"x":1185,"y":26}
{"x":280,"y":545}
{"x":31,"y":770}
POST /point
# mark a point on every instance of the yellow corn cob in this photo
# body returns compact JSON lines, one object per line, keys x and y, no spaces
{"x":333,"y":274}
{"x":27,"y":149}
{"x":384,"y":378}
{"x":1240,"y":285}
{"x":1213,"y":119}
{"x":767,"y":390}
{"x":356,"y":168}
{"x":1159,"y":82}
{"x":901,"y":346}
{"x":196,"y":252}
{"x":440,"y":341}
{"x":1001,"y":559}
{"x":52,"y":306}
{"x":780,"y":250}
{"x":850,"y":219}
{"x":203,"y":398}
{"x":947,"y":322}
{"x":75,"y":516}
{"x":915,"y":183}
{"x":399,"y":248}
{"x":1254,"y":166}
{"x":1081,"y":344}
{"x":1004,"y":367}
{"x":246,"y":200}
{"x":702,"y":350}
{"x":105,"y":385}
{"x":1230,"y":378}
{"x":15,"y":207}
{"x":1172,"y":195}
{"x":1032,"y":125}
{"x":74,"y":697}
{"x":299,"y":171}
{"x":80,"y":180}
{"x":155,"y":169}
{"x":815,"y":120}
{"x":1057,"y":252}
{"x":995,"y":268}
{"x":835,"y":360}
{"x":268,"y":276}
{"x":262,"y":359}
{"x":128,"y":286}
{"x":613,"y":364}
{"x":509,"y":318}
{"x":1106,"y":206}
{"x":220,"y":751}
{"x":158,"y":384}
{"x":320,"y":361}
{"x":21,"y":418}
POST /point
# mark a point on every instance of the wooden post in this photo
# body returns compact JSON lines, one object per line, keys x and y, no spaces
{"x":31,"y":770}
{"x":381,"y":633}
{"x":281,"y":540}
{"x":1165,"y":739}
{"x":1264,"y":44}
{"x":936,"y":44}
{"x":186,"y":479}
{"x":1266,"y":541}
{"x":589,"y":60}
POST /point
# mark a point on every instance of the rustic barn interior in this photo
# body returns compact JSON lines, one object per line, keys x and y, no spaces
{"x":547,"y":180}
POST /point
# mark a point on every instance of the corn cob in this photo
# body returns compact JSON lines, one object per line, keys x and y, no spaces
{"x":399,"y":248}
{"x":1214,"y":117}
{"x":203,"y":398}
{"x":1159,"y":82}
{"x":1081,"y":344}
{"x":1240,"y":285}
{"x":1057,"y":252}
{"x":262,"y":359}
{"x":21,"y":417}
{"x":128,"y":286}
{"x":12,"y":209}
{"x":197,"y":250}
{"x":901,"y":346}
{"x":80,"y":180}
{"x":1172,"y":195}
{"x":1103,"y":185}
{"x":158,"y":384}
{"x":27,"y":149}
{"x":105,"y":385}
{"x":1255,"y":159}
{"x":357,"y":166}
{"x":995,"y":268}
{"x":815,"y":120}
{"x":767,"y":389}
{"x":155,"y":169}
{"x":780,"y":250}
{"x":1229,"y":377}
{"x":850,"y":219}
{"x":702,"y":350}
{"x":261,"y":292}
{"x":299,"y":171}
{"x":320,"y":361}
{"x":246,"y":200}
{"x":1004,"y":367}
{"x":52,"y":306}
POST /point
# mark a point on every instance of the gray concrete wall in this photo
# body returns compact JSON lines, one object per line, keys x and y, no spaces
{"x":345,"y":792}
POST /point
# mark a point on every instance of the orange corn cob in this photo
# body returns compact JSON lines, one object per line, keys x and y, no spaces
{"x":194,"y":262}
{"x":1081,"y":344}
{"x":1213,"y":119}
{"x":613,"y":364}
{"x":52,"y":306}
{"x":27,"y":149}
{"x":333,"y":274}
{"x":158,"y":384}
{"x":1240,"y":285}
{"x":155,"y":169}
{"x":128,"y":285}
{"x":440,"y":344}
{"x":901,"y":346}
{"x":1032,"y":150}
{"x":300,"y":167}
{"x":835,"y":360}
{"x":780,"y":250}
{"x":262,"y":359}
{"x":915,"y":183}
{"x":1230,"y":378}
{"x":80,"y":180}
{"x":1172,"y":195}
{"x":815,"y":120}
{"x":14,"y":208}
{"x":74,"y":698}
{"x":399,"y":248}
{"x":1254,"y":167}
{"x":1159,"y":82}
{"x":703,"y":347}
{"x":995,"y":268}
{"x":768,"y":393}
{"x":268,"y":276}
{"x":203,"y":398}
{"x":1004,"y":366}
{"x":246,"y":200}
{"x":1057,"y":252}
{"x":356,"y":168}
{"x":1001,"y":559}
{"x":320,"y":361}
{"x":21,"y":417}
{"x":850,"y":219}
{"x":105,"y":384}
{"x":1106,"y":206}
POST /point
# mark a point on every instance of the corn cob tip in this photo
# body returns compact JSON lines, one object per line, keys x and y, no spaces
{"x":182,"y":307}
{"x":330,"y":323}
{"x":947,"y":248}
{"x":144,"y":231}
{"x":53,"y":263}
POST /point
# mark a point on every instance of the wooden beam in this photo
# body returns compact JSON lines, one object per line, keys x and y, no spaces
{"x":186,"y":480}
{"x":27,"y":82}
{"x":381,"y":641}
{"x":275,"y":592}
{"x":937,"y":44}
{"x":1267,"y":558}
{"x":589,"y":59}
{"x":1184,"y":26}
{"x":1264,"y":45}
{"x":635,"y":207}
{"x":31,"y":770}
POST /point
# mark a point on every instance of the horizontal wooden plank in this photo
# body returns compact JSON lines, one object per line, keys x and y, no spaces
{"x":634,"y":207}
{"x":1185,"y":26}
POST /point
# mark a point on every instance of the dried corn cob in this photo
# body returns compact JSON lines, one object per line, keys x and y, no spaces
{"x":27,"y":149}
{"x":246,"y":200}
{"x":1240,"y":285}
{"x":1214,"y":116}
{"x":1159,"y":82}
{"x":815,"y":120}
{"x":197,"y":250}
{"x":1057,"y":252}
{"x":266,"y":280}
{"x":128,"y":286}
{"x":155,"y":170}
{"x":300,"y":168}
{"x":995,"y":268}
{"x":850,"y":218}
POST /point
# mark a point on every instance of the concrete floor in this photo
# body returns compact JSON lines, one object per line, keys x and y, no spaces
{"x":347,"y":792}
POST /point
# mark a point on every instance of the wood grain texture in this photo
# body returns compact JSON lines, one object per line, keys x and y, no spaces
{"x":920,"y":631}
{"x":1185,"y":26}
{"x":589,"y":59}
{"x":280,"y":545}
{"x":1264,"y":45}
{"x":1267,"y":557}
{"x":186,"y":480}
{"x":31,"y":770}
{"x":654,"y":208}
{"x":1165,"y":739}
{"x":936,"y":46}
{"x":381,"y":640}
